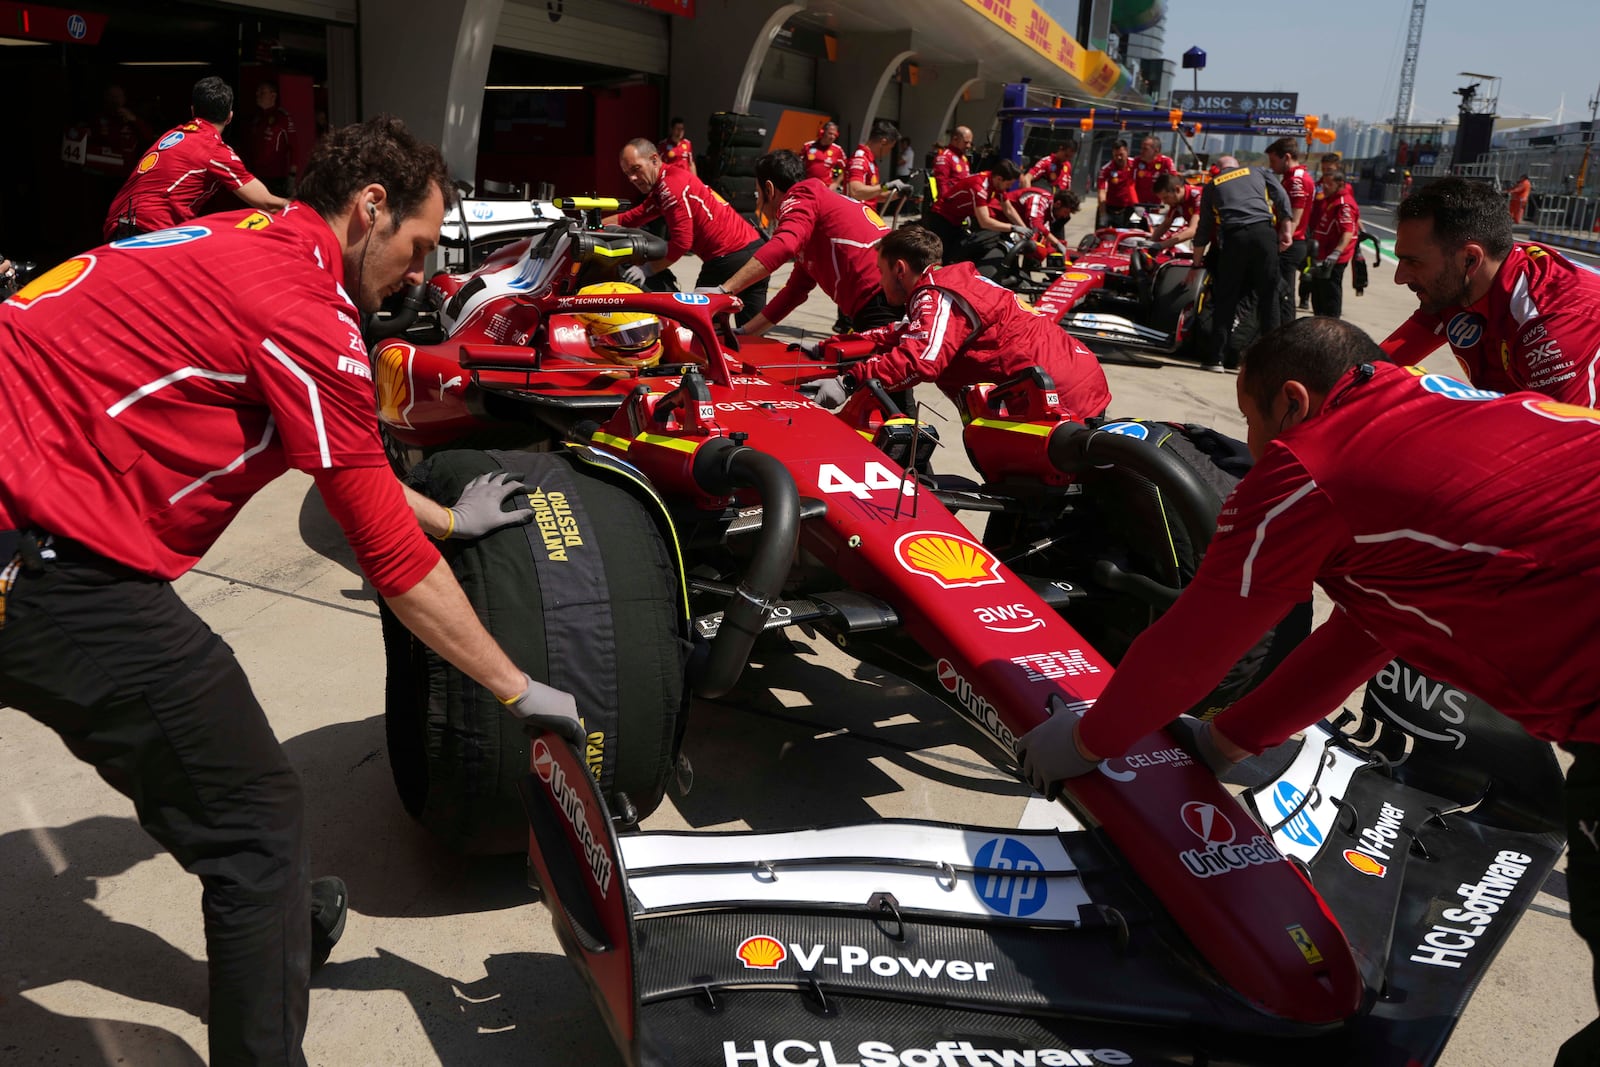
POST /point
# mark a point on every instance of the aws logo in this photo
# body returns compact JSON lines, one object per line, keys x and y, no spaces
{"x":53,"y":282}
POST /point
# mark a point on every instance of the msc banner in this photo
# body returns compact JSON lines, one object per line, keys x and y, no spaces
{"x":1276,"y":103}
{"x":1027,"y":22}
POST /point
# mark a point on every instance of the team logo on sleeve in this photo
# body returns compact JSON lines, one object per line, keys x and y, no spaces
{"x":395,"y":391}
{"x":148,"y":161}
{"x":178,"y":235}
{"x":1137,"y":431}
{"x":170,"y":139}
{"x":256,"y":220}
{"x":873,"y":217}
{"x":1454,"y":389}
{"x":1560,"y":412}
{"x":53,"y":282}
{"x":1465,"y":330}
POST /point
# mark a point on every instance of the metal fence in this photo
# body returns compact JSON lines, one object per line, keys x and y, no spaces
{"x":1580,"y":214}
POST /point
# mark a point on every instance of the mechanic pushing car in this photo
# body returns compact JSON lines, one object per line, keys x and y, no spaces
{"x":1413,"y":500}
{"x":825,"y":156}
{"x":1053,"y":171}
{"x":185,"y":168}
{"x":960,"y":328}
{"x":1239,"y":210}
{"x":698,"y":222}
{"x":132,"y":437}
{"x":1517,"y":316}
{"x":975,"y":199}
{"x":1284,"y":158}
{"x":1041,"y":210}
{"x":861,"y":180}
{"x":1182,"y":200}
{"x":1115,"y":185}
{"x":829,"y":237}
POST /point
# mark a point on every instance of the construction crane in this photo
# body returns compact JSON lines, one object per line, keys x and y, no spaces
{"x":1408,"y":69}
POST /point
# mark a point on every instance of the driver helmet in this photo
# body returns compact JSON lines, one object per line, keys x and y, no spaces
{"x":626,"y":338}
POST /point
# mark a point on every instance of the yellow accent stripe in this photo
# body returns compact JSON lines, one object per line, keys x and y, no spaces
{"x":665,"y":441}
{"x":612,"y":253}
{"x":666,"y":518}
{"x":619,"y":443}
{"x":1034,"y":428}
{"x":867,"y":434}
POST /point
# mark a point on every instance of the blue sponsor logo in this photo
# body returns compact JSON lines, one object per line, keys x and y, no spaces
{"x":1137,"y":431}
{"x":1300,"y":828}
{"x":170,"y":139}
{"x":1012,"y":885}
{"x":77,"y":27}
{"x":691,"y":298}
{"x":1454,"y":389}
{"x":178,"y":235}
{"x":1465,"y":330}
{"x":482,"y":212}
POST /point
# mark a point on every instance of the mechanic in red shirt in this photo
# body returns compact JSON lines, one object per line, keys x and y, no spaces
{"x":1039,"y":209}
{"x":153,"y":386}
{"x":271,"y":142}
{"x":824,"y":157}
{"x":950,"y":164}
{"x":1053,"y":171}
{"x":185,"y":168}
{"x":699,"y":222}
{"x":1338,"y":226}
{"x":1150,"y":165}
{"x":1371,"y":481}
{"x":861,"y":179}
{"x":975,"y":197}
{"x":960,"y":329}
{"x":1517,"y":316}
{"x":1183,"y":210}
{"x":830,"y":238}
{"x":1283,"y":157}
{"x":675,"y":149}
{"x":1119,"y":194}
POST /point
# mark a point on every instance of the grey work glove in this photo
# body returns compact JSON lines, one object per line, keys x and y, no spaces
{"x":809,"y":349}
{"x":1194,"y":735}
{"x":832,"y":394}
{"x":548,"y":709}
{"x":481,"y":507}
{"x":897,"y":185}
{"x":637,"y":274}
{"x":1022,"y":231}
{"x":711,"y":290}
{"x":1049,"y":751}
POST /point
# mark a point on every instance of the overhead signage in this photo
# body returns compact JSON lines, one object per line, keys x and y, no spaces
{"x":1273,"y":103}
{"x":35,"y":22}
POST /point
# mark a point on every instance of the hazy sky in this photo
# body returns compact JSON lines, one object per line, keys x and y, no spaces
{"x":1344,"y":57}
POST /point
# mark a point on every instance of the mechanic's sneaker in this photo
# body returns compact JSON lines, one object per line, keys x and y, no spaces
{"x":330,"y":901}
{"x":1217,"y":367}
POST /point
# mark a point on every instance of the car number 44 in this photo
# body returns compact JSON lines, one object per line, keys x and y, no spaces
{"x":831,"y":478}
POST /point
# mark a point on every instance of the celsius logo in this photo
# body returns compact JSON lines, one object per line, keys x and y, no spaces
{"x":1207,"y":823}
{"x":1011,"y":885}
{"x":1465,"y":330}
{"x":1292,"y":805}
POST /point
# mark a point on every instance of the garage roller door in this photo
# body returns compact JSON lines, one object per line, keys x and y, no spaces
{"x":588,"y":31}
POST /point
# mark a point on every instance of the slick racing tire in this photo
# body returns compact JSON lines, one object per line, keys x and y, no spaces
{"x":587,"y":598}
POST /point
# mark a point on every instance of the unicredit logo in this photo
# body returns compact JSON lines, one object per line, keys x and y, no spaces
{"x":1207,"y":823}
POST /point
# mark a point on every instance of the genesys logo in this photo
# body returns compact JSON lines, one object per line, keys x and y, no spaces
{"x":795,"y":1053}
{"x":1008,"y":618}
{"x":1220,"y":854}
{"x":766,"y":953}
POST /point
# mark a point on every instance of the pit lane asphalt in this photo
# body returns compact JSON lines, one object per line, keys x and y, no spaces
{"x":445,"y":960}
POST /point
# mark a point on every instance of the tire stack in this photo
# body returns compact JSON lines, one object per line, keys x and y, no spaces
{"x":734,"y":143}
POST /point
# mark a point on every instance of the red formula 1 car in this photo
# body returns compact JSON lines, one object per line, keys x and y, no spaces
{"x":688,"y":502}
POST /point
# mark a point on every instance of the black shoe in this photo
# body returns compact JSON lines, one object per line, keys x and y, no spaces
{"x":330,"y":901}
{"x":1217,"y":367}
{"x":1305,"y":305}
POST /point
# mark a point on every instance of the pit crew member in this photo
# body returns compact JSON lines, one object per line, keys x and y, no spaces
{"x":1517,"y":316}
{"x":831,"y":239}
{"x":1183,"y":210}
{"x":1150,"y":165}
{"x":961,"y":328}
{"x":1039,"y":210}
{"x":976,"y":197}
{"x":675,"y":149}
{"x":825,"y":156}
{"x":1053,"y":171}
{"x":1338,"y":226}
{"x":861,"y":175}
{"x":1239,"y":210}
{"x":1369,"y":482}
{"x":185,"y":168}
{"x":950,"y":164}
{"x":271,"y":142}
{"x":698,"y":222}
{"x":1283,"y":157}
{"x":1119,"y":194}
{"x":133,"y":435}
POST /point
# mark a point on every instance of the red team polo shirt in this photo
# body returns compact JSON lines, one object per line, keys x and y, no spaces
{"x":179,"y":173}
{"x":272,"y":143}
{"x":1451,"y":526}
{"x":1145,"y":175}
{"x":1335,"y":218}
{"x":863,"y":167}
{"x":1302,"y":190}
{"x":1117,"y":185}
{"x":1186,"y":210}
{"x":960,"y":328}
{"x":1058,"y":175}
{"x":1033,"y":204}
{"x":698,"y":220}
{"x":138,"y":419}
{"x":948,"y":167}
{"x":959,"y":200}
{"x":832,"y":240}
{"x":1537,"y":328}
{"x":676,"y":153}
{"x":824,"y":164}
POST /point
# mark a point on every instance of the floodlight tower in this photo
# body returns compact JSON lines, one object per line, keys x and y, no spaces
{"x":1408,"y":69}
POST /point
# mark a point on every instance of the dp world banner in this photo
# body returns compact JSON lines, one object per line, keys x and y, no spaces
{"x":1276,"y":103}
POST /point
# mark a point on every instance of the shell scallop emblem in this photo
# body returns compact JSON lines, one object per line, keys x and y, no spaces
{"x":761,"y":953}
{"x":1365,"y":863}
{"x":951,"y":561}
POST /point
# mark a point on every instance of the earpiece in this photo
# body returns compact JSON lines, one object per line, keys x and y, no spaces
{"x":1294,"y":406}
{"x":372,"y":211}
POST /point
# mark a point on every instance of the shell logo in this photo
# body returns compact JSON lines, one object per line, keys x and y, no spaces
{"x":1552,"y":409}
{"x":761,"y":953}
{"x":1365,"y":863}
{"x":148,"y":161}
{"x":951,"y":561}
{"x":1078,"y":276}
{"x":873,"y":217}
{"x":54,"y":282}
{"x":394,"y":384}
